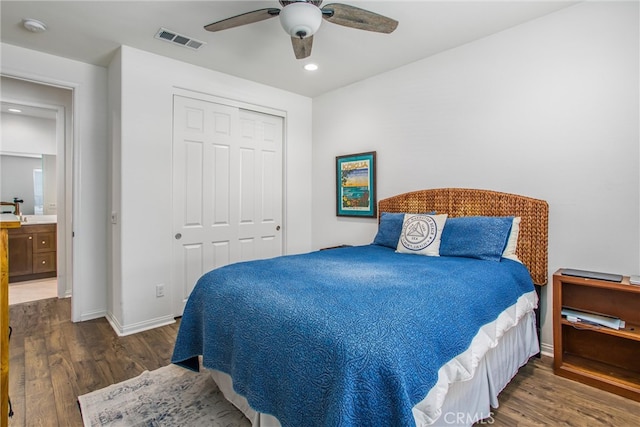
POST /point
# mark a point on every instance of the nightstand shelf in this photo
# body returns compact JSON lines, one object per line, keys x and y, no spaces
{"x":630,"y":331}
{"x":600,"y":372}
{"x":602,"y":357}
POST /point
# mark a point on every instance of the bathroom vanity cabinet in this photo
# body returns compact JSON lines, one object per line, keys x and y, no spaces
{"x":32,"y":252}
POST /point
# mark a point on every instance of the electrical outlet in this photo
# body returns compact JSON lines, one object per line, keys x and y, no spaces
{"x":159,"y":291}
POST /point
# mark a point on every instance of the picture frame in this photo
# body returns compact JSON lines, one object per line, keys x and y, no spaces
{"x":356,"y":185}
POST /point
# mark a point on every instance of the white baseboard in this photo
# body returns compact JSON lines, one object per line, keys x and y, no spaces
{"x":546,"y":349}
{"x":92,"y":315}
{"x":123,"y":331}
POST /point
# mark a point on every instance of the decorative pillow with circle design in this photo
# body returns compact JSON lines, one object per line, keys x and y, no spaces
{"x":421,"y":234}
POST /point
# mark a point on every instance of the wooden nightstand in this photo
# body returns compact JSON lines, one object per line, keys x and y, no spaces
{"x":6,"y":222}
{"x":335,"y":247}
{"x":602,"y":357}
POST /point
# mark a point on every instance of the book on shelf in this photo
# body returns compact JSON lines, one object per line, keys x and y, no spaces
{"x":591,"y":318}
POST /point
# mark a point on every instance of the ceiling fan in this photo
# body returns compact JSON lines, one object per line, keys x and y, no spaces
{"x":302,"y":18}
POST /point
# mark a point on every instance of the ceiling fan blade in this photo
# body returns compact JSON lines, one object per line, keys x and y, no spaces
{"x":244,"y":19}
{"x":354,"y":17}
{"x":302,"y":47}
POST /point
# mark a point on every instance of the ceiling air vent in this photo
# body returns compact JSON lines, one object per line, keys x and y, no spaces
{"x":179,"y":39}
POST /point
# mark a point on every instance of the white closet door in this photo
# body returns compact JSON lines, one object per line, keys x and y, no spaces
{"x":227,"y":189}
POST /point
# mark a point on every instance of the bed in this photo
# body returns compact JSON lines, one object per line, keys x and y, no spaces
{"x":368,"y":335}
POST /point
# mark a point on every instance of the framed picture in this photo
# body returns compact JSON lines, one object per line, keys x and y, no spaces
{"x":356,"y":185}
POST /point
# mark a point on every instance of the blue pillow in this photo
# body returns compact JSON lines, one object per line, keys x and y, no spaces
{"x":482,"y":237}
{"x":389,"y":229}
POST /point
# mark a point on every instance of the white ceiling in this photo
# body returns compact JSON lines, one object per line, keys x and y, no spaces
{"x":27,"y":110}
{"x":91,"y":31}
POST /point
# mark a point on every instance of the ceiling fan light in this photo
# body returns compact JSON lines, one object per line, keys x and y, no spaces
{"x":300,"y":19}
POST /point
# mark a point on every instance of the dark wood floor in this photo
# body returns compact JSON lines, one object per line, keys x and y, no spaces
{"x":53,"y":361}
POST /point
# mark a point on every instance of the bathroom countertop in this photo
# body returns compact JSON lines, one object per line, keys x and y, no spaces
{"x":39,"y":219}
{"x":9,"y":221}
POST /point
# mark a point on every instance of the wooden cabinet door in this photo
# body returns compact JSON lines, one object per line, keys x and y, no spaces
{"x":44,"y":262}
{"x":20,"y":254}
{"x":44,"y":242}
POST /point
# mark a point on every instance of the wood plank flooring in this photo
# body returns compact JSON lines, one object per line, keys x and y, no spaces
{"x":53,"y":361}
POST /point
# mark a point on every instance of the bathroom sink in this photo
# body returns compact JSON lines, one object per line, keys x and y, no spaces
{"x":39,"y":219}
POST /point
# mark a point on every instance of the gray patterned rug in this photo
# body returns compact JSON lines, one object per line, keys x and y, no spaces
{"x":169,"y":396}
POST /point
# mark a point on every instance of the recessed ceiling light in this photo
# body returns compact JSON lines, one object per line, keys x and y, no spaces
{"x":15,"y":110}
{"x":311,"y":67}
{"x":34,"y":25}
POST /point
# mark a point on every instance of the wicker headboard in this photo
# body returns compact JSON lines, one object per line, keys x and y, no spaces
{"x":533,"y":237}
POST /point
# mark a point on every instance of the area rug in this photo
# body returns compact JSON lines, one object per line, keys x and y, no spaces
{"x":169,"y":396}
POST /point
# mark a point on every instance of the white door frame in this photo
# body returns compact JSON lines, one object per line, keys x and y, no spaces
{"x":64,"y":185}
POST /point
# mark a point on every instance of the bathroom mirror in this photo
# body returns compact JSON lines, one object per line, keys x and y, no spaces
{"x":31,"y":178}
{"x":28,"y":159}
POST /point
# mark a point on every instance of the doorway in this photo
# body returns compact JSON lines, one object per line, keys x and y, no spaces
{"x":38,"y":129}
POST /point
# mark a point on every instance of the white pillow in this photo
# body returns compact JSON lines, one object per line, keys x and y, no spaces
{"x":421,"y":234}
{"x":512,"y":242}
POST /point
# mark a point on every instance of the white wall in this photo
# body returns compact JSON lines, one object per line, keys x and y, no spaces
{"x":25,"y":134}
{"x":89,"y":124}
{"x":547,"y":109}
{"x":114,"y":278}
{"x":50,"y":185}
{"x":142,"y":144}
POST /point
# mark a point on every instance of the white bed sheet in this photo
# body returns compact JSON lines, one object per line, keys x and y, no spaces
{"x":468,"y":385}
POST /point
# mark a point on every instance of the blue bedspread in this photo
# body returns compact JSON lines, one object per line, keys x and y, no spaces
{"x":344,"y":337}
